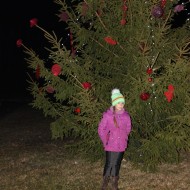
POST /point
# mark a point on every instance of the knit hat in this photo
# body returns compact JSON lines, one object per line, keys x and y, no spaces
{"x":117,"y":97}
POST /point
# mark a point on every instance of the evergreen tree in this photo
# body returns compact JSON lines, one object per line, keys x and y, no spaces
{"x":130,"y":45}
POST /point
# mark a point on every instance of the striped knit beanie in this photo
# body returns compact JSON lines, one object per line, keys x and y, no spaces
{"x":117,"y":97}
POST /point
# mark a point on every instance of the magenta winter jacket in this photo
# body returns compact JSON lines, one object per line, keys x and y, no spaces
{"x":114,"y":138}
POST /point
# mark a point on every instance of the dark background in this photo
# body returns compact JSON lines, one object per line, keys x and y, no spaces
{"x":15,"y":19}
{"x":14,"y":25}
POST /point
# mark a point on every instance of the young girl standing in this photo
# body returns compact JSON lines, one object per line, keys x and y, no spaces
{"x":113,"y":130}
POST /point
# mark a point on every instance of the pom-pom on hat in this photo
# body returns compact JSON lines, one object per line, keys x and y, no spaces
{"x":117,"y":97}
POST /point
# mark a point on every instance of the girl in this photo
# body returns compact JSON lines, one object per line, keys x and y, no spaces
{"x":113,"y":130}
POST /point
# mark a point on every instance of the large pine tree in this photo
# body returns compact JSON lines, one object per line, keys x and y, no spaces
{"x":130,"y":45}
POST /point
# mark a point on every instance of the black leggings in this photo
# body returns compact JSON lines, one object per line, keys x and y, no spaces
{"x":113,"y":163}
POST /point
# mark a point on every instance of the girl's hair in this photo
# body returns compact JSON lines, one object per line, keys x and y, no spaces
{"x":114,"y":119}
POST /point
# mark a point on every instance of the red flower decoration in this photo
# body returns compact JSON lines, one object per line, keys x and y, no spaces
{"x":86,"y":85}
{"x":110,"y":41}
{"x":56,"y":69}
{"x":33,"y":22}
{"x":169,"y":93}
{"x":50,"y":89}
{"x":64,"y":17}
{"x":149,"y":71}
{"x":145,"y":96}
{"x":77,"y":110}
{"x":123,"y":22}
{"x":19,"y":43}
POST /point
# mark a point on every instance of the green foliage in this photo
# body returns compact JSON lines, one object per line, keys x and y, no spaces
{"x":161,"y":128}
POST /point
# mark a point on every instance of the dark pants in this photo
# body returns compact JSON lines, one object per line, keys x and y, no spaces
{"x":113,"y":163}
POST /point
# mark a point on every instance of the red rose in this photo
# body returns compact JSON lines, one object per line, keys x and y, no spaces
{"x":86,"y":85}
{"x":33,"y":22}
{"x":110,"y":41}
{"x":56,"y":69}
{"x":19,"y":43}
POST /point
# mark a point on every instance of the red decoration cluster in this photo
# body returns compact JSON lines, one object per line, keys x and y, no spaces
{"x":56,"y":69}
{"x":33,"y":22}
{"x":110,"y":41}
{"x":169,"y":93}
{"x":86,"y":85}
{"x":144,"y":96}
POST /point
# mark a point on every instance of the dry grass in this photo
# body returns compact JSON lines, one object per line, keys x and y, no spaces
{"x":30,"y":160}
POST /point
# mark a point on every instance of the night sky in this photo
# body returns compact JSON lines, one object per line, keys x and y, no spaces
{"x":14,"y":25}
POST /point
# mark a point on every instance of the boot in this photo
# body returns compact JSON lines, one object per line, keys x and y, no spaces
{"x":105,"y":182}
{"x":114,"y":181}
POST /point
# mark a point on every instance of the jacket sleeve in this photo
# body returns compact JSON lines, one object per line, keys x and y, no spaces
{"x":103,"y":129}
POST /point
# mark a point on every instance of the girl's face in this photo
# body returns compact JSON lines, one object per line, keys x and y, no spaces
{"x":119,"y":106}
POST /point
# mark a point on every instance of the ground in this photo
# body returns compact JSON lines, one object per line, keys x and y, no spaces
{"x":30,"y":159}
{"x":21,"y":124}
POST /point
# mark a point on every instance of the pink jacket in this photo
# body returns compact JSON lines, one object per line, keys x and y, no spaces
{"x":114,"y":138}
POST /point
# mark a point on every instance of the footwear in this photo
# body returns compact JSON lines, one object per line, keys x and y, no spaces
{"x":105,"y":182}
{"x":114,"y":182}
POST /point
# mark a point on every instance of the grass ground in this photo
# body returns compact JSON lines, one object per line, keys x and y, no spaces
{"x":30,"y":160}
